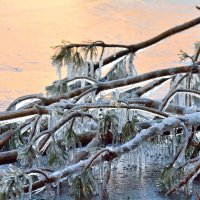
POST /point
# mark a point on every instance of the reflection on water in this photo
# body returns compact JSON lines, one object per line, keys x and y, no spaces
{"x":29,"y":28}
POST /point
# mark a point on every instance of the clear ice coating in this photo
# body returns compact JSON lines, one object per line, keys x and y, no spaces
{"x":120,"y":123}
{"x":91,"y":68}
{"x":100,"y":68}
{"x":58,"y":66}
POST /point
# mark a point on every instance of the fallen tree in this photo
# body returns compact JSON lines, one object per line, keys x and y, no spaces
{"x":87,"y":119}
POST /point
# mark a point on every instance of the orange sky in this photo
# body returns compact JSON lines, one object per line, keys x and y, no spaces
{"x":30,"y":27}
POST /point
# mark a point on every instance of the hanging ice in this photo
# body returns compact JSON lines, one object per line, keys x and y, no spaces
{"x":100,"y":67}
{"x":130,"y":115}
{"x":85,"y":65}
{"x":124,"y":115}
{"x":131,"y":67}
{"x":69,"y":70}
{"x":30,"y":188}
{"x":58,"y":66}
{"x":120,"y":124}
{"x":91,"y":68}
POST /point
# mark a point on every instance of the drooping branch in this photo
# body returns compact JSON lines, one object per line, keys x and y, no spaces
{"x":191,"y":92}
{"x":184,"y":180}
{"x":156,"y":39}
{"x":101,"y":87}
{"x":84,"y":93}
{"x":21,"y":113}
{"x":139,"y":92}
{"x":32,"y":133}
{"x":156,"y":129}
{"x":63,"y":50}
{"x":5,"y":137}
{"x":23,"y":98}
{"x":7,"y":157}
{"x":197,"y":53}
{"x":61,"y":123}
{"x":116,"y":105}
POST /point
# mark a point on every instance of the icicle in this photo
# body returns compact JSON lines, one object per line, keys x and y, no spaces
{"x":93,"y":97}
{"x":58,"y":190}
{"x":49,"y":122}
{"x":85,"y":64}
{"x":174,"y":143}
{"x":22,"y":196}
{"x":131,"y":67}
{"x":70,"y":70}
{"x":124,"y":115}
{"x":100,"y":68}
{"x":120,"y":124}
{"x":82,"y":83}
{"x":130,"y":115}
{"x":30,"y":188}
{"x":122,"y":68}
{"x":91,"y":68}
{"x":66,"y":68}
{"x":37,"y":129}
{"x":58,"y":66}
{"x":53,"y":118}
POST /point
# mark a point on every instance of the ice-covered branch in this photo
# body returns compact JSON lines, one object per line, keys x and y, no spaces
{"x":156,"y":129}
{"x":64,"y":51}
{"x":191,"y":92}
{"x":139,"y":92}
{"x":142,"y":45}
{"x":185,"y":179}
{"x":5,"y":137}
{"x":23,"y":98}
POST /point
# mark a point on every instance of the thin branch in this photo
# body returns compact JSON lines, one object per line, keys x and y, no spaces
{"x":7,"y":157}
{"x":5,"y":137}
{"x":96,"y":44}
{"x":197,"y":53}
{"x":134,"y":107}
{"x":180,"y":80}
{"x":95,"y":157}
{"x":39,"y":171}
{"x":61,"y":123}
{"x":139,"y":92}
{"x":191,"y":92}
{"x":154,"y":130}
{"x":77,"y":78}
{"x":184,"y":180}
{"x":84,"y":93}
{"x":135,"y":47}
{"x":101,"y":87}
{"x":32,"y":133}
{"x":23,"y":98}
{"x":175,"y":157}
